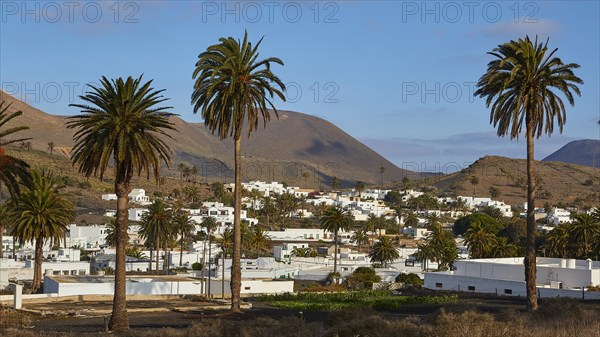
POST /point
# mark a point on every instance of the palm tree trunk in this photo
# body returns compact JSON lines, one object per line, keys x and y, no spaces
{"x":530,"y":257}
{"x":37,"y":271}
{"x":157,"y":245}
{"x":236,"y":271}
{"x":151,"y":259}
{"x":181,"y":252}
{"x":209,"y":256}
{"x":119,"y":320}
{"x":203,"y":266}
{"x":335,"y":244}
{"x":223,"y":274}
{"x":14,"y":250}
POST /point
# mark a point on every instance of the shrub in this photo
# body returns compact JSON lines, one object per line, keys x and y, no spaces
{"x":197,"y":266}
{"x":409,"y":279}
{"x":362,"y":278}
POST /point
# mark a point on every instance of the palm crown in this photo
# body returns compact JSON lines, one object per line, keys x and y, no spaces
{"x":232,"y":85}
{"x":520,"y":84}
{"x":121,"y":122}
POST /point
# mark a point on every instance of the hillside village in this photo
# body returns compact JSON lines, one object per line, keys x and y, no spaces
{"x":291,"y":246}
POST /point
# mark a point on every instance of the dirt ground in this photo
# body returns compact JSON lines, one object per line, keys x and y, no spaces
{"x":90,"y":316}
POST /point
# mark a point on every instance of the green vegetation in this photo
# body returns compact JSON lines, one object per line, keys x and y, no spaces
{"x":409,"y":279}
{"x":375,"y":299}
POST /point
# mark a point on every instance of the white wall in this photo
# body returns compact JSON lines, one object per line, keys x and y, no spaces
{"x":462,"y":283}
{"x":255,"y":287}
{"x":101,"y":287}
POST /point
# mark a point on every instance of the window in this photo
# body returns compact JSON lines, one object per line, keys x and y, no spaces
{"x":471,"y":288}
{"x":246,"y":288}
{"x":439,"y":285}
{"x":508,"y":291}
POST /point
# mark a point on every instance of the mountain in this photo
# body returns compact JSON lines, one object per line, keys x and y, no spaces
{"x":558,"y":182}
{"x":580,"y":152}
{"x":294,"y":144}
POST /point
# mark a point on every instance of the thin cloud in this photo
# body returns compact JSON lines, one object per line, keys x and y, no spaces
{"x":523,"y":26}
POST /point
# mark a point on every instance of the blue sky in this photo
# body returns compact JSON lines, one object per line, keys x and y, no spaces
{"x":398,"y":76}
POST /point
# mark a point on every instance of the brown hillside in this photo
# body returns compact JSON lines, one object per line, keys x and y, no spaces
{"x":558,"y":182}
{"x":294,"y":144}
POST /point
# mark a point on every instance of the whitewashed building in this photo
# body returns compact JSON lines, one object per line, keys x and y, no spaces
{"x":505,"y":276}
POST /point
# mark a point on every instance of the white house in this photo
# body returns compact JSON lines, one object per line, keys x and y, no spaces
{"x":87,"y":236}
{"x":415,"y":232}
{"x":135,"y":214}
{"x":505,"y":276}
{"x":559,"y":216}
{"x":285,"y":251}
{"x":300,"y":234}
{"x":137,"y":195}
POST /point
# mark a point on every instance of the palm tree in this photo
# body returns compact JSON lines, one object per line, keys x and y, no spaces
{"x":384,"y":251}
{"x":181,"y":167}
{"x":502,"y":248}
{"x":51,"y":147}
{"x":381,"y":171}
{"x":268,"y":209}
{"x":583,"y":231}
{"x":425,"y":252}
{"x":360,"y":238}
{"x":474,"y":181}
{"x":232,"y":85}
{"x":42,"y":216}
{"x":122,"y":123}
{"x":156,"y":227}
{"x":433,"y":220}
{"x":184,"y":226}
{"x":558,"y":241}
{"x":442,"y":246}
{"x":209,"y":224}
{"x":520,"y":85}
{"x":111,"y":233}
{"x":411,"y":219}
{"x":11,"y":169}
{"x":334,"y":220}
{"x":225,"y":242}
{"x":479,"y":240}
{"x":359,"y":187}
{"x":259,"y":240}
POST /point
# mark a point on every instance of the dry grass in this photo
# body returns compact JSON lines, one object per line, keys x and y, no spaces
{"x":555,"y":318}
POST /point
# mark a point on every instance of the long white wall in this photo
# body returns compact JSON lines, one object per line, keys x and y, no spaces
{"x":133,"y":288}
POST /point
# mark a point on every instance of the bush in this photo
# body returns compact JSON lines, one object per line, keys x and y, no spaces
{"x":409,"y":279}
{"x":197,"y":266}
{"x":362,"y":278}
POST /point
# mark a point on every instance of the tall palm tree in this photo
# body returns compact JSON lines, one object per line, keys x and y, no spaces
{"x":334,"y":220}
{"x":225,"y":243}
{"x":120,"y":121}
{"x":184,"y":226}
{"x":381,"y":171}
{"x":157,"y":226}
{"x":42,"y":216}
{"x":111,"y":233}
{"x":209,"y":224}
{"x":12,"y":169}
{"x":521,"y":86}
{"x":232,"y":85}
{"x":384,"y":251}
